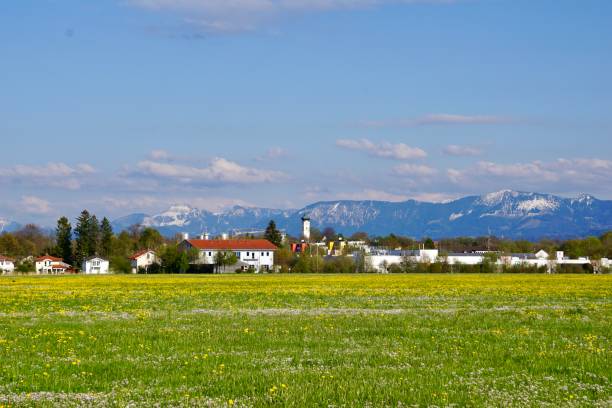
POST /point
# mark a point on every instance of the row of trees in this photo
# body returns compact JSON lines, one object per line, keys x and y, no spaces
{"x":93,"y":237}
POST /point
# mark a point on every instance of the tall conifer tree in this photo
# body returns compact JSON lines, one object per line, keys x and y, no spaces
{"x":63,"y":237}
{"x":82,"y":232}
{"x":106,"y":238}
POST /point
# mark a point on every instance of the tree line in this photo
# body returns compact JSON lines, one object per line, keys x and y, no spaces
{"x":91,"y":237}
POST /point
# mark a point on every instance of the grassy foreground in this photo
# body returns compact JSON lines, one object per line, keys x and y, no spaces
{"x":351,"y":340}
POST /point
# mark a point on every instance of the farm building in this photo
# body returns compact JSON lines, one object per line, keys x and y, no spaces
{"x":257,"y":254}
{"x":50,"y":265}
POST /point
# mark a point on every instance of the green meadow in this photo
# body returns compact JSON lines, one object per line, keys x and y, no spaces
{"x":306,"y":340}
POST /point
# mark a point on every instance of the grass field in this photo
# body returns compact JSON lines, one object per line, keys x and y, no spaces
{"x":286,"y":340}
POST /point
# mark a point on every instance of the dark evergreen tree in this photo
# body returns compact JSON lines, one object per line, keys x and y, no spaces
{"x":63,"y":238}
{"x":94,"y":236}
{"x":82,"y":232}
{"x":429,"y":244}
{"x":273,"y":235}
{"x":106,"y":238}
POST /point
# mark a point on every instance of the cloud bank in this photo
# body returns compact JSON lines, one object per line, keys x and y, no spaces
{"x":219,"y":171}
{"x":230,"y":16}
{"x":386,"y":150}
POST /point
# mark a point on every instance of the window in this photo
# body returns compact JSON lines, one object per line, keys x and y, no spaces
{"x":253,"y":257}
{"x":267,"y":254}
{"x":262,"y":254}
{"x":210,"y":254}
{"x":247,"y":254}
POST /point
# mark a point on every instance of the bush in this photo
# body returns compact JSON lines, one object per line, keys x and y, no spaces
{"x":120,"y":264}
{"x":25,"y":267}
{"x":577,"y":269}
{"x":524,"y":269}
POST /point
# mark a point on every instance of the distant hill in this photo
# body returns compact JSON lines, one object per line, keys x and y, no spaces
{"x":510,"y":214}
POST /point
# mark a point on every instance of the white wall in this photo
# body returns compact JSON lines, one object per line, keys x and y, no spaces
{"x":465,"y":260}
{"x":91,"y":268}
{"x":7,"y":266}
{"x":257,"y":258}
{"x":143,"y":261}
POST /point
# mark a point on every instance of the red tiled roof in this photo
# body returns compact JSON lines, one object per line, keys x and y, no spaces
{"x":50,"y":258}
{"x":140,"y":253}
{"x":233,"y":244}
{"x":4,"y":258}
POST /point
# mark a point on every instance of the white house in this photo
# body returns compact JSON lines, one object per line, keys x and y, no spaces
{"x":143,"y":259}
{"x":95,"y":266}
{"x":257,"y":254}
{"x":50,"y":265}
{"x":7,"y":265}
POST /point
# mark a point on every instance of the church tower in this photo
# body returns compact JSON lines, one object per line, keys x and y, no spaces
{"x":306,"y":227}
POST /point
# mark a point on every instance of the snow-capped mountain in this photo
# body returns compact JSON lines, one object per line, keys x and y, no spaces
{"x":505,"y":213}
{"x":182,"y":218}
{"x":8,"y":226}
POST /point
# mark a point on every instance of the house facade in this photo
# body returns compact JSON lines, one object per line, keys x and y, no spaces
{"x":143,"y":260}
{"x":50,"y":265}
{"x":7,"y":265}
{"x":95,"y":266}
{"x":257,"y":254}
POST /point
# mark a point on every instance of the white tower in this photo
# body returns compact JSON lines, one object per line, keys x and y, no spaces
{"x":306,"y":227}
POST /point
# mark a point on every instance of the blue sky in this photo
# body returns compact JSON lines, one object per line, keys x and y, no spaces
{"x":121,"y":106}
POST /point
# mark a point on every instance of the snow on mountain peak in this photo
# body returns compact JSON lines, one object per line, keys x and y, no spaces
{"x":177,"y":209}
{"x":585,"y":199}
{"x":177,"y":215}
{"x":497,"y":197}
{"x":538,"y":204}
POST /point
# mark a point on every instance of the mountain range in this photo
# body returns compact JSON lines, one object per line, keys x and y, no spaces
{"x":510,"y":214}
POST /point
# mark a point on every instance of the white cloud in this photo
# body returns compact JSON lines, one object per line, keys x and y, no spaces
{"x":159,"y":155}
{"x":58,"y":175}
{"x":227,"y":16}
{"x":562,"y":175}
{"x":434,"y":197}
{"x":85,"y":168}
{"x":273,"y":153}
{"x":398,"y":151}
{"x":158,"y":204}
{"x":372,"y":194}
{"x":34,"y":205}
{"x":456,"y":150}
{"x":219,"y":171}
{"x":441,"y":119}
{"x":450,"y":119}
{"x":408,"y":169}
